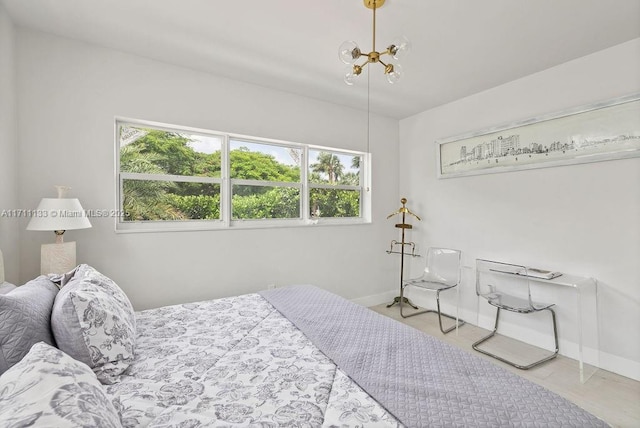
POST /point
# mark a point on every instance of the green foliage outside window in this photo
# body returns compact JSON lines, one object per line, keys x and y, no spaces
{"x":334,"y":203}
{"x":160,"y":152}
{"x":275,"y":202}
{"x":203,"y":207}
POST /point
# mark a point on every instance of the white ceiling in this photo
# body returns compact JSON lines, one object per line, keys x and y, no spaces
{"x":459,"y":47}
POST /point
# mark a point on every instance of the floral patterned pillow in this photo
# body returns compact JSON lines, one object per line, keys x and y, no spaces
{"x":49,"y":388}
{"x":93,"y":321}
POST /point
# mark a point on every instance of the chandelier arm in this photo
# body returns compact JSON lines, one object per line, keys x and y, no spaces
{"x":388,"y":67}
{"x":357,"y":69}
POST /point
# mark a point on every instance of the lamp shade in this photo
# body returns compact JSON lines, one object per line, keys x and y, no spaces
{"x":59,"y":214}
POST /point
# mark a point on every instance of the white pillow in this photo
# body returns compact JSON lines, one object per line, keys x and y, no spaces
{"x":93,"y":321}
{"x":49,"y":388}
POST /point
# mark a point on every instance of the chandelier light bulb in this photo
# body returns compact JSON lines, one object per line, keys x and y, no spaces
{"x":400,"y":47}
{"x":349,"y":52}
{"x":395,"y":74}
{"x":350,"y":76}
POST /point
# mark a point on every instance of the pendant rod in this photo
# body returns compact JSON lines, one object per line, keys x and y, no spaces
{"x":368,"y":112}
{"x":374,"y":25}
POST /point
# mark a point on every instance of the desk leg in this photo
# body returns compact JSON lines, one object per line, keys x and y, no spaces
{"x":589,"y":329}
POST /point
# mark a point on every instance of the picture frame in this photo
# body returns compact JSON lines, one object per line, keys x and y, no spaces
{"x":596,"y":132}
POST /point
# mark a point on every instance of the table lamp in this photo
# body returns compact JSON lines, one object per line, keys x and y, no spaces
{"x":58,"y":215}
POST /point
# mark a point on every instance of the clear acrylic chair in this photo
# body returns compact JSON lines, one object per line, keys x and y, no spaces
{"x":441,"y":273}
{"x":507,"y":286}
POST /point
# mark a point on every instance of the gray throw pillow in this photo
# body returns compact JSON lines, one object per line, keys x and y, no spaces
{"x":93,"y":321}
{"x":25,"y":315}
{"x":47,"y":388}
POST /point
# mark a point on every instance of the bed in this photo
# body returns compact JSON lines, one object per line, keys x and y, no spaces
{"x":295,"y":356}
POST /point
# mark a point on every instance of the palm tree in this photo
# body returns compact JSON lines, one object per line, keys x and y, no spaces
{"x":330,"y":165}
{"x":355,"y":162}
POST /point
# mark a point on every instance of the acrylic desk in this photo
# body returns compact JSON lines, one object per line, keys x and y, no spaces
{"x":586,"y":310}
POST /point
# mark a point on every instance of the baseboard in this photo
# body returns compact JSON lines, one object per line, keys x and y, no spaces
{"x":376,"y":299}
{"x":622,"y":366}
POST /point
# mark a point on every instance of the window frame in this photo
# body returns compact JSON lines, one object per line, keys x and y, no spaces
{"x":226,"y":183}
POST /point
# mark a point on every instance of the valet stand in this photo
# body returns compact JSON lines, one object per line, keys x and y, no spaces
{"x":394,"y":248}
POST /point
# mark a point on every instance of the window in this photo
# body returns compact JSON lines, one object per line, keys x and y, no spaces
{"x":176,"y":178}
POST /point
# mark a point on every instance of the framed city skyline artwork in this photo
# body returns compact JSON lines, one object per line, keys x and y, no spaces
{"x":602,"y":131}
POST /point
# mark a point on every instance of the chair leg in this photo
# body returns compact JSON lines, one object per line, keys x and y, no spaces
{"x":458,"y":323}
{"x":519,"y":366}
{"x":440,"y":314}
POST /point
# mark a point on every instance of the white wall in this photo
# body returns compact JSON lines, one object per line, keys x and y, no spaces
{"x":9,"y":227}
{"x":582,"y":219}
{"x":69,"y":93}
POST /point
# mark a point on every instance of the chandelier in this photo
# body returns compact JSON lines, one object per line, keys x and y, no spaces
{"x":349,"y":53}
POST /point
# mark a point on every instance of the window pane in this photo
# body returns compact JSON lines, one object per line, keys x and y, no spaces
{"x":253,"y":161}
{"x":260,"y":202}
{"x":334,"y":203}
{"x":334,"y":168}
{"x":153,"y":151}
{"x":148,"y":200}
